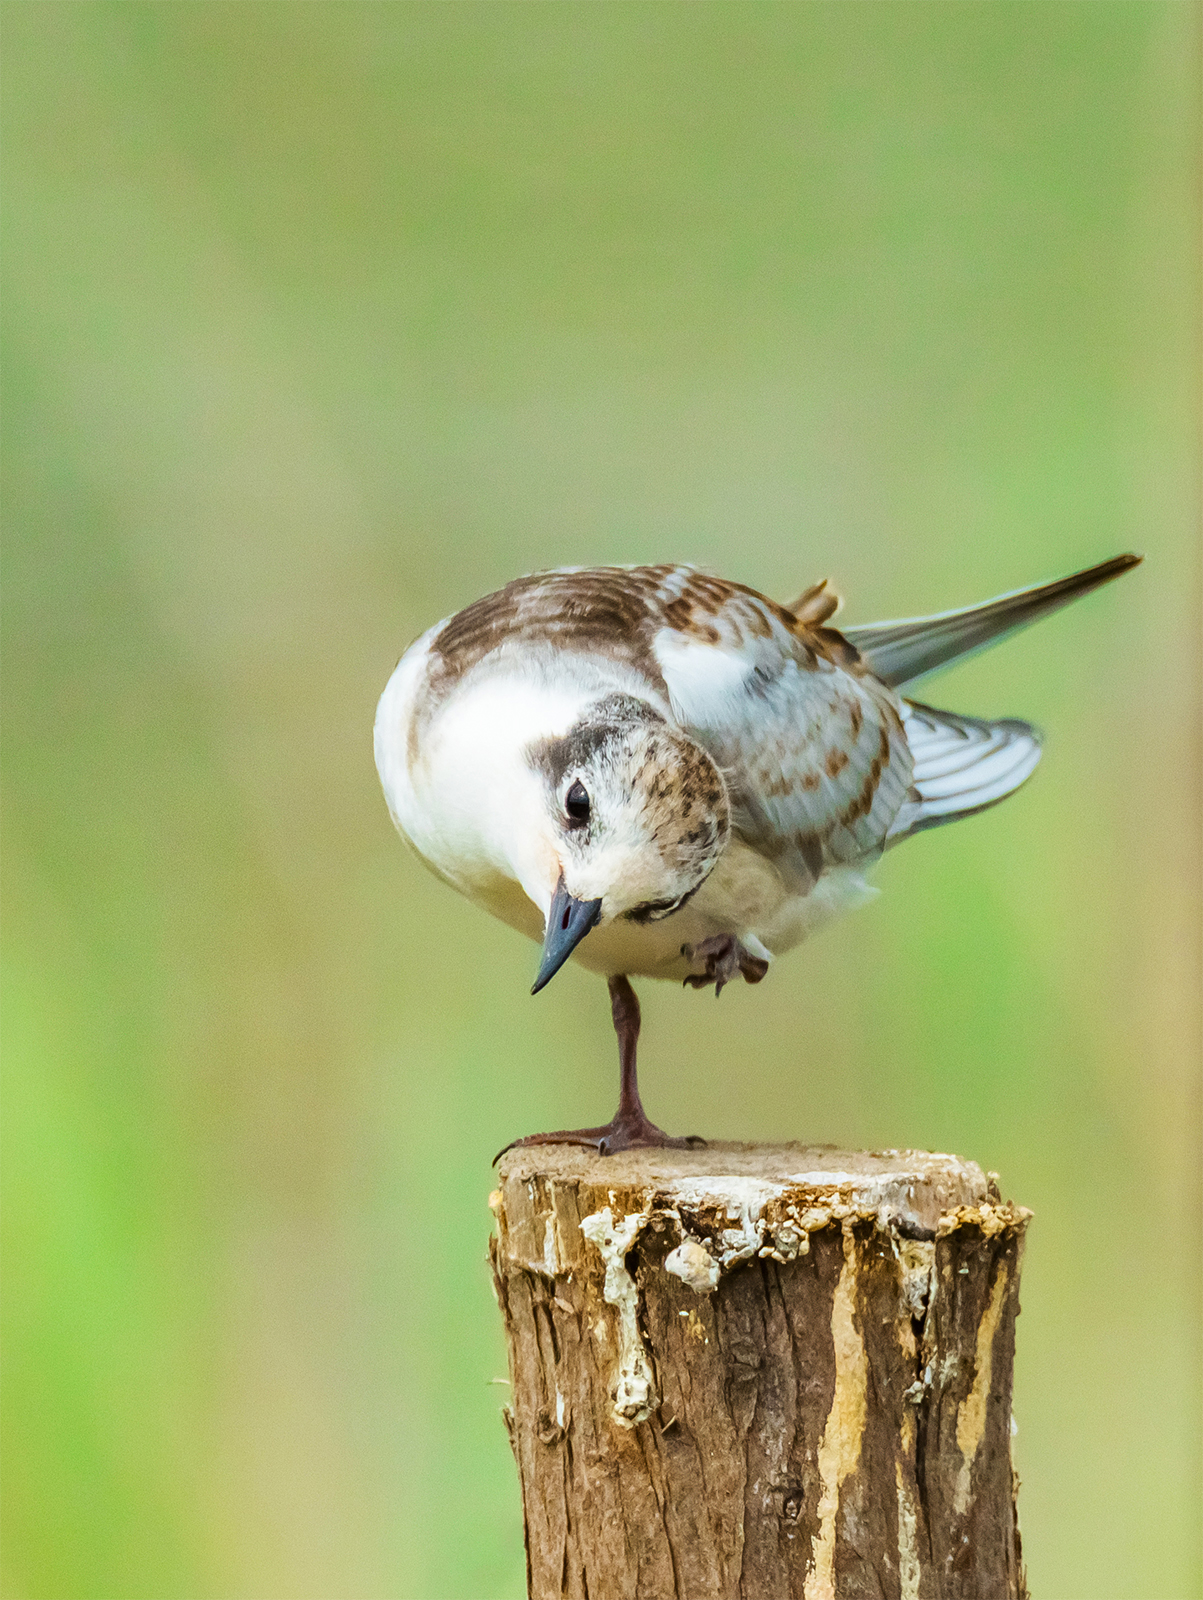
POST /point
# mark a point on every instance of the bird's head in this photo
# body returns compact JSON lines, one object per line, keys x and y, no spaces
{"x":636,"y":817}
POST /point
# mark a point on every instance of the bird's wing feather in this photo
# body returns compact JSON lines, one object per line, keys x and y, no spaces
{"x":904,"y":651}
{"x":811,"y":746}
{"x":962,"y":765}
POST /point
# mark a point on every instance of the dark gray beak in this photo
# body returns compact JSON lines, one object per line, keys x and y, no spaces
{"x":568,"y":922}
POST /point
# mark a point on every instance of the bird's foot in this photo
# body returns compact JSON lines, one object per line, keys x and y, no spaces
{"x":627,"y":1131}
{"x":724,"y":956}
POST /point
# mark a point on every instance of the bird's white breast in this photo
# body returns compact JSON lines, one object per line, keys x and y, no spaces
{"x":457,"y":785}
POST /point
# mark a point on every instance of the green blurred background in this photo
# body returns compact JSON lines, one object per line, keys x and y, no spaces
{"x":322,"y":320}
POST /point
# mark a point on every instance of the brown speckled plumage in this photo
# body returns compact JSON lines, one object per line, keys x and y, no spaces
{"x":615,"y":613}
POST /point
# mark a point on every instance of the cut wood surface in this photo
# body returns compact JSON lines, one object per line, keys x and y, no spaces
{"x":760,"y":1371}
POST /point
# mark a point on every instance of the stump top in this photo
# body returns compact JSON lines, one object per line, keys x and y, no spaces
{"x":908,"y":1189}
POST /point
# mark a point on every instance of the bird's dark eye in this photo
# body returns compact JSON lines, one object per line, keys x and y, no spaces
{"x":576,"y":802}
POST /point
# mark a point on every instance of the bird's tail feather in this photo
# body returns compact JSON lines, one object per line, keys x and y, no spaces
{"x":962,"y":765}
{"x":901,"y":652}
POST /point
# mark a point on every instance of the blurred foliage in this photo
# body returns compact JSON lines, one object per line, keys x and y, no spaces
{"x":321,"y":320}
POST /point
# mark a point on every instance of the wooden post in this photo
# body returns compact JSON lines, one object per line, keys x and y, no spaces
{"x":755,"y":1371}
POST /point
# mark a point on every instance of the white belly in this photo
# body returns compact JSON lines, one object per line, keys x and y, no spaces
{"x":744,"y":895}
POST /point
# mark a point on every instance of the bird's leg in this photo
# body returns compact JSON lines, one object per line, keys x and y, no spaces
{"x":629,"y":1128}
{"x":724,"y":956}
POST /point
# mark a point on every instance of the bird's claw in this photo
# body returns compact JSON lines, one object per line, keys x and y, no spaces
{"x":623,"y":1133}
{"x":724,"y":956}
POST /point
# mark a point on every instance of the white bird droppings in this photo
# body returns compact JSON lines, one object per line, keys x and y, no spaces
{"x":635,"y":1396}
{"x":694,"y":1265}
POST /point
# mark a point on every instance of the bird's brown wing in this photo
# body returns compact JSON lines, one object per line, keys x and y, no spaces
{"x":811,"y":744}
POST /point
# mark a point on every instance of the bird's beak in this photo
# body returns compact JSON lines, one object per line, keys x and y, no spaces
{"x":568,"y":921}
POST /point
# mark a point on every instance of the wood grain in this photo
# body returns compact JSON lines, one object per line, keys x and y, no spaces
{"x":761,"y":1372}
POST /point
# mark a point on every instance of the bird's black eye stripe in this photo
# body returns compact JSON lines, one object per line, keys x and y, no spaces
{"x":654,"y":910}
{"x":576,"y":802}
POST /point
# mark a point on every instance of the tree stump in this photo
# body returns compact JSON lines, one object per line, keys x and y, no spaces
{"x":760,"y":1371}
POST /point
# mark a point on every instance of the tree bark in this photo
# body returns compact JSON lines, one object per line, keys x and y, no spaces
{"x":760,"y":1371}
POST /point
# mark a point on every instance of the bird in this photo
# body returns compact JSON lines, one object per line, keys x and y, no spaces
{"x":660,"y":773}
